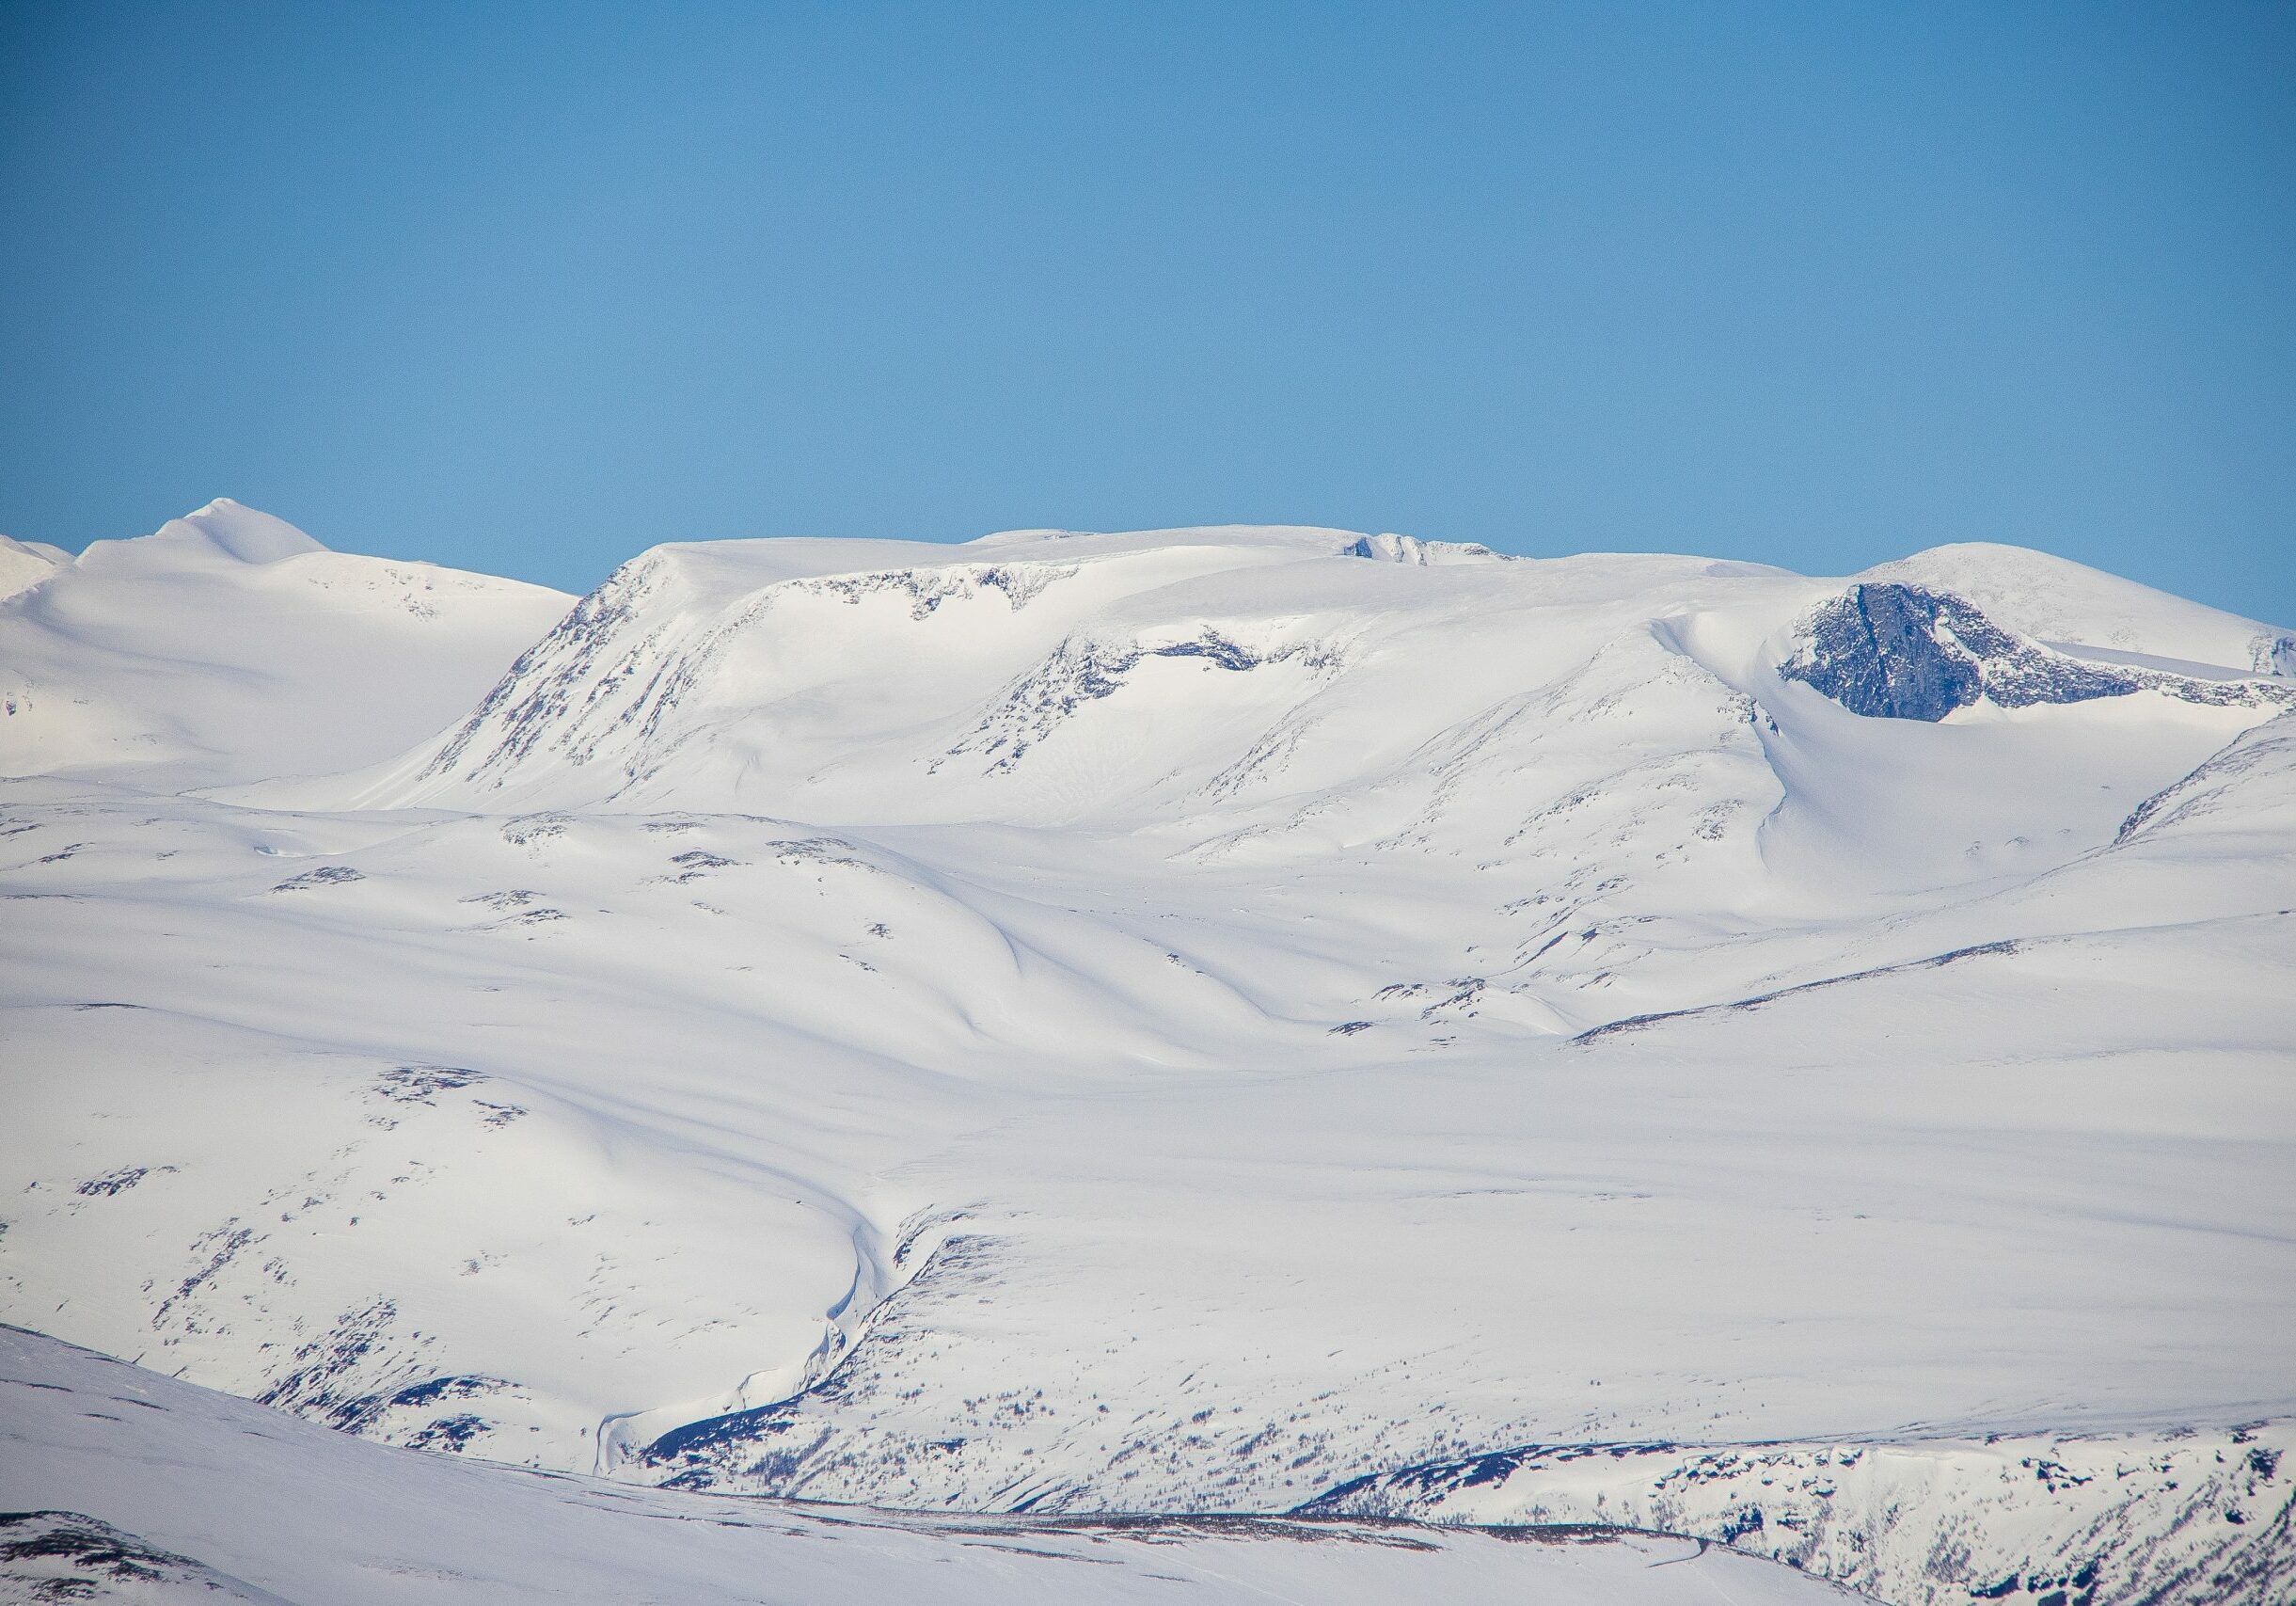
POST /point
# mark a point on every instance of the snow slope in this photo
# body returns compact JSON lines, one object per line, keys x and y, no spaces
{"x":1197,"y":1020}
{"x":2090,"y":610}
{"x":170,"y":1493}
{"x":25,"y":563}
{"x":2176,"y":1517}
{"x":231,"y":645}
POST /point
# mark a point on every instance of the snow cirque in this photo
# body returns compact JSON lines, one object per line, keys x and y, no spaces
{"x":1240,"y":1019}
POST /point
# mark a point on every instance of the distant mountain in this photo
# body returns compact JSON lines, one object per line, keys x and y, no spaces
{"x":229,"y":645}
{"x":2085,"y":610}
{"x":1206,"y":674}
{"x":1241,"y":1019}
{"x":1894,"y":651}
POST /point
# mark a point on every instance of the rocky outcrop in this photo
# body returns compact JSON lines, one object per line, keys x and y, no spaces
{"x":1900,"y":652}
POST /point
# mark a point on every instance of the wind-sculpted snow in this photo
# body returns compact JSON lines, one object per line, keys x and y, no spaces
{"x":1192,"y":1021}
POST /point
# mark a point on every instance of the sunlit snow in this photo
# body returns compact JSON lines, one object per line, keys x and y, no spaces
{"x":1232,"y":1020}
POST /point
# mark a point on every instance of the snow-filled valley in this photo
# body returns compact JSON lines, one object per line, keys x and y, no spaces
{"x":1234,"y":1021}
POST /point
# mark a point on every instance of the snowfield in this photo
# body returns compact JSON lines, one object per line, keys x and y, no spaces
{"x":1212,"y":1021}
{"x":325,"y":1518}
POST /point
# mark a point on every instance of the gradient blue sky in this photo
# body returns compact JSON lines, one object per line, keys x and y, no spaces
{"x":528,"y":288}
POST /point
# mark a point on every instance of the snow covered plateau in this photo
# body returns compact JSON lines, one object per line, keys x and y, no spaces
{"x":1215,"y":1064}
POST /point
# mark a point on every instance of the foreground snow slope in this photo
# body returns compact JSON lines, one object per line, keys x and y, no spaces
{"x":1197,"y":1020}
{"x":148,"y":1489}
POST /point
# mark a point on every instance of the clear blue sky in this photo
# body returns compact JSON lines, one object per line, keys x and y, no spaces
{"x":527,"y":288}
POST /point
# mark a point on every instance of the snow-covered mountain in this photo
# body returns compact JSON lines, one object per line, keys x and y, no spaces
{"x":229,"y":645}
{"x":1275,"y":666}
{"x":1232,"y":1019}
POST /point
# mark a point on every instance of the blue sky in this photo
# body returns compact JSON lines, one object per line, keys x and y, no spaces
{"x":528,"y":288}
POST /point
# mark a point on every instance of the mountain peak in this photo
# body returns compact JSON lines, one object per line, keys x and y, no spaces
{"x":240,"y":532}
{"x":223,"y":529}
{"x":2065,"y":602}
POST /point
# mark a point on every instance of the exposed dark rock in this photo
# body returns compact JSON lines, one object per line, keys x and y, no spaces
{"x":1899,"y":652}
{"x":326,"y":875}
{"x":67,"y":1555}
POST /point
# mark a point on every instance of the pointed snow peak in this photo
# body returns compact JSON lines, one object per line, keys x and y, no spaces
{"x":240,"y":532}
{"x":223,"y":532}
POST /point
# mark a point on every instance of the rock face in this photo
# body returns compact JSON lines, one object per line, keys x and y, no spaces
{"x":1875,"y":650}
{"x":68,"y":1555}
{"x":1900,"y":652}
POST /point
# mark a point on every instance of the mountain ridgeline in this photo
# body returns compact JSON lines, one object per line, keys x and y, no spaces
{"x":1129,"y":678}
{"x":1252,"y":1020}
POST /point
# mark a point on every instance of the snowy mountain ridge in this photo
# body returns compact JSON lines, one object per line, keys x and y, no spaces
{"x":229,"y":645}
{"x":1206,"y":1020}
{"x":683,"y":653}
